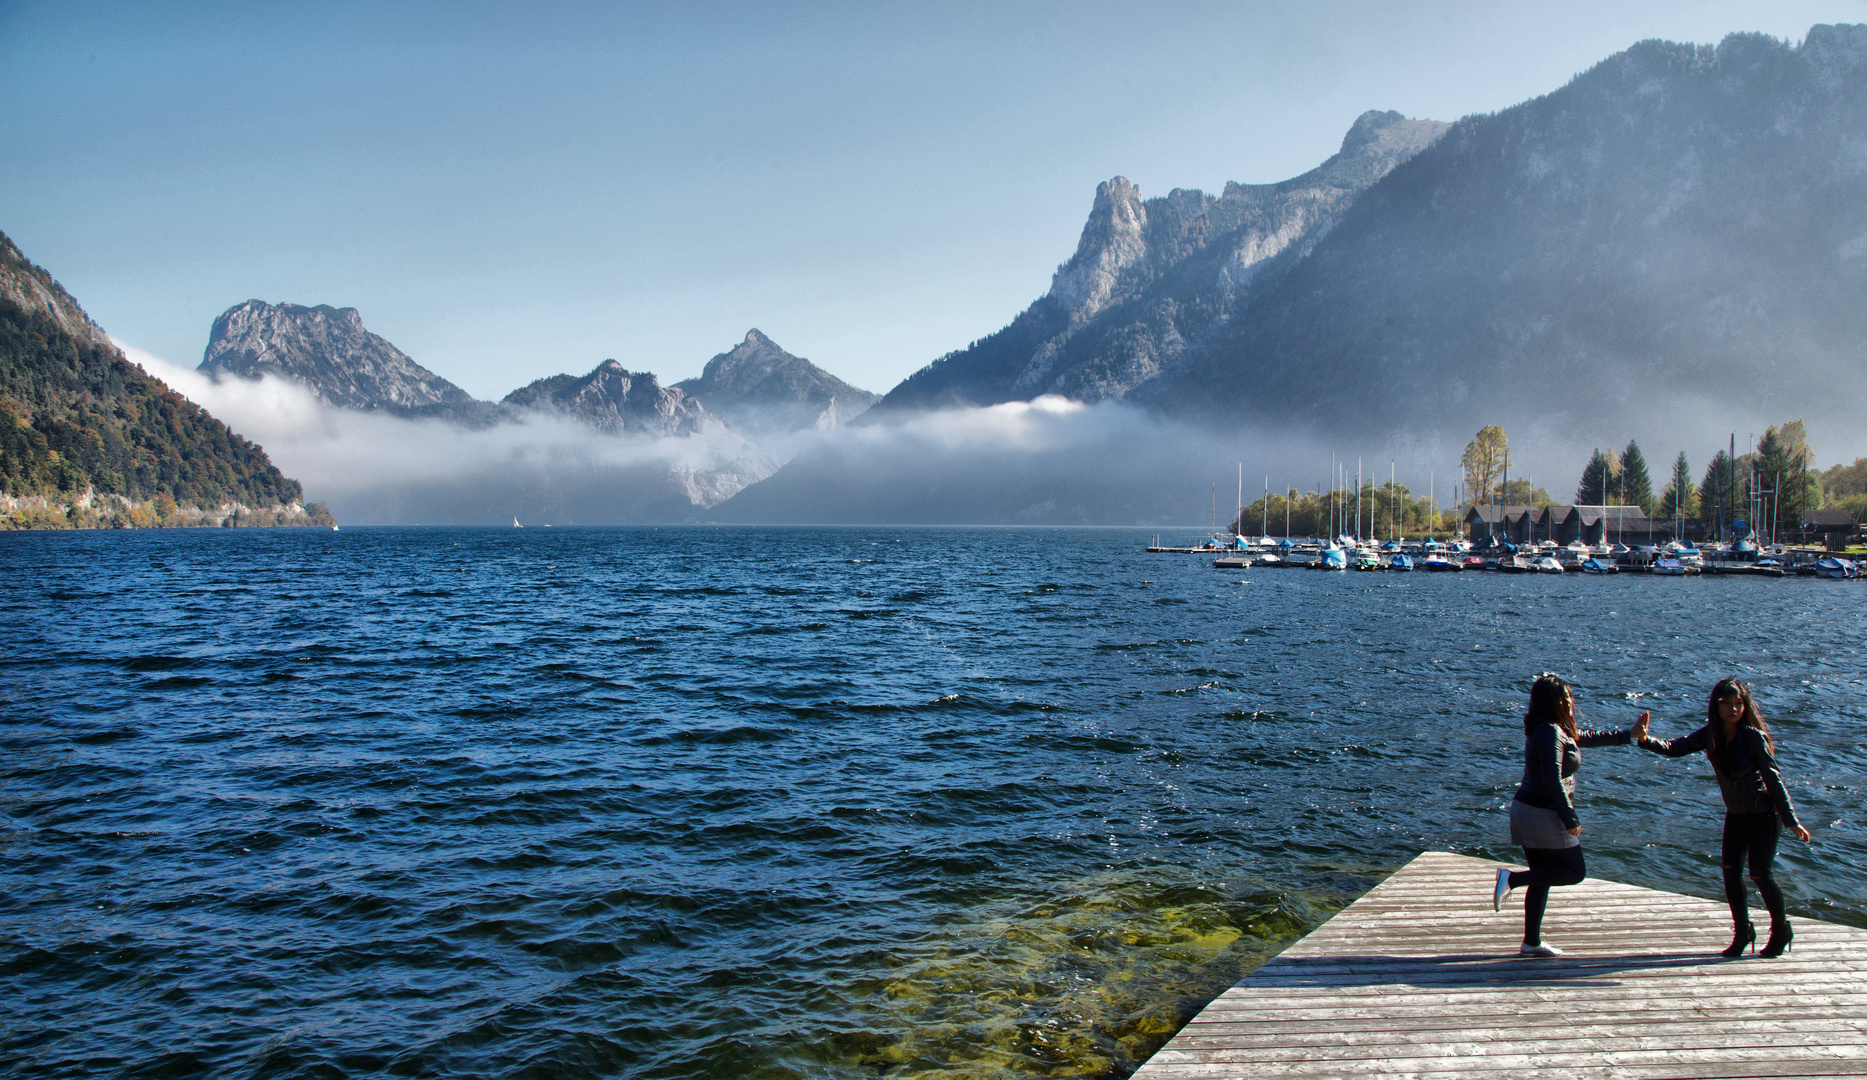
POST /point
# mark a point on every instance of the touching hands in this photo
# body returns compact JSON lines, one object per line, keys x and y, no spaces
{"x":1640,"y":727}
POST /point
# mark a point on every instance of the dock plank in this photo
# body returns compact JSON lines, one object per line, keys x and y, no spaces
{"x":1420,"y":980}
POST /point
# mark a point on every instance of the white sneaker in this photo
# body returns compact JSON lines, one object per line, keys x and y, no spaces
{"x":1539,"y":950}
{"x":1501,"y":891}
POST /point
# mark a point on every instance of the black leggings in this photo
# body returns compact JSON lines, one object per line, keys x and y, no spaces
{"x":1752,"y":837}
{"x":1548,"y":867}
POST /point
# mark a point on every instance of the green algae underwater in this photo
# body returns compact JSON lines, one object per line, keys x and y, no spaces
{"x":1086,"y":981}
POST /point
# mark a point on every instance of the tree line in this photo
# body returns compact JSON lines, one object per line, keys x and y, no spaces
{"x":80,"y":424}
{"x":1769,"y":485}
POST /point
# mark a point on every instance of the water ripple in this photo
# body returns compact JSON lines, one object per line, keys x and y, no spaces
{"x":796,"y":802}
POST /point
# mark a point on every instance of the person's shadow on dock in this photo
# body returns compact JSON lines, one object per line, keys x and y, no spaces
{"x":1472,"y":969}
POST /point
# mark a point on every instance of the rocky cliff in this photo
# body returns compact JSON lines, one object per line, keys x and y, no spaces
{"x":1152,"y":279}
{"x":613,"y":400}
{"x":32,"y":289}
{"x":328,"y":350}
{"x":761,"y":390}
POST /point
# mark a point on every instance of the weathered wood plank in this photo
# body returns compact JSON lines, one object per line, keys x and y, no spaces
{"x":1420,"y":979}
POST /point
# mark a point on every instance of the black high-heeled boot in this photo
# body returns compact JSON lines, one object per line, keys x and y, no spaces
{"x":1780,"y":937}
{"x":1745,"y":934}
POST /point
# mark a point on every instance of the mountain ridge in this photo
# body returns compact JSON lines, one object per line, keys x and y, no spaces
{"x":1151,"y":275}
{"x":613,"y":400}
{"x":759,"y":388}
{"x":330,"y":352}
{"x":1676,"y":216}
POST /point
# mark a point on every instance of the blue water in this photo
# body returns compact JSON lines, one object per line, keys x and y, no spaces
{"x":785,"y":803}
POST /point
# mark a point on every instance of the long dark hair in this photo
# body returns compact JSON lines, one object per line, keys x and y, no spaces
{"x":1546,"y":704}
{"x":1750,"y":718}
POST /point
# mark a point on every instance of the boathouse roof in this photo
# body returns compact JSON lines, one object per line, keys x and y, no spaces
{"x":1491,"y":514}
{"x":1615,"y":515}
{"x":1828,"y":521}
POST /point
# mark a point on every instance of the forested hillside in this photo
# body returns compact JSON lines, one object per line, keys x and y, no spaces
{"x":87,"y":439}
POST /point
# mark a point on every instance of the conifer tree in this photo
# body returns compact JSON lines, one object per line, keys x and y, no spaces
{"x":1779,"y":477}
{"x":1680,"y":499}
{"x":1636,"y":488}
{"x":1597,"y":485}
{"x":1719,"y":501}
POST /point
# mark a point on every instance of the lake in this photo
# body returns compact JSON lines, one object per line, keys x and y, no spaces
{"x":852,"y":802}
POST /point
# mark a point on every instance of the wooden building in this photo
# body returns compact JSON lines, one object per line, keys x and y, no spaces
{"x":1834,"y":528}
{"x":1595,"y":525}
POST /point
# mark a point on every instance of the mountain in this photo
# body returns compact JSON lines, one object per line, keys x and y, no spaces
{"x":613,"y":400}
{"x":87,"y":439}
{"x":1153,"y":278}
{"x":1680,"y":233}
{"x":30,"y":288}
{"x":1672,"y":246}
{"x":761,"y":390}
{"x":328,"y":351}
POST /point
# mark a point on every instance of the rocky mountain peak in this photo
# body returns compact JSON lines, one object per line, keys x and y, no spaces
{"x":1836,"y":53}
{"x":328,"y":351}
{"x":29,"y":286}
{"x":614,"y":400}
{"x":759,"y":388}
{"x":1152,"y":278}
{"x":1113,"y":239}
{"x":1389,"y":136}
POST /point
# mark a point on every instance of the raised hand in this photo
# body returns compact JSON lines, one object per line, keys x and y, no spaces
{"x":1640,"y":726}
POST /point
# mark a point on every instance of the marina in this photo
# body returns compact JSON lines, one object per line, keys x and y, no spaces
{"x":1669,"y":560}
{"x":1420,"y":978}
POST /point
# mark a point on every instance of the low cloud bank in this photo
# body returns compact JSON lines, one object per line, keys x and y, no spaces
{"x":1050,"y":461}
{"x":374,"y":468}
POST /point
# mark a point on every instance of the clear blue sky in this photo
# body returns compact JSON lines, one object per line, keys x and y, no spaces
{"x":508,"y":191}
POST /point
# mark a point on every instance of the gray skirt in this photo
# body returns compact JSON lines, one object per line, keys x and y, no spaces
{"x":1533,"y":826}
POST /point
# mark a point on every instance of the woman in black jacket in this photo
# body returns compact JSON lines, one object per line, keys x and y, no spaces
{"x":1542,"y":815}
{"x":1756,"y":806}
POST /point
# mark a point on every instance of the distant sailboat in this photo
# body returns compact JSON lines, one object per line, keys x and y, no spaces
{"x":516,"y":525}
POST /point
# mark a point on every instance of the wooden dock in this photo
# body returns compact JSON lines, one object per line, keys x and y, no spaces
{"x":1421,"y":979}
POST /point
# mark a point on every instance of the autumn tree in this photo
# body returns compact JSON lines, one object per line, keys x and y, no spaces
{"x":1486,"y":458}
{"x":1521,"y":493}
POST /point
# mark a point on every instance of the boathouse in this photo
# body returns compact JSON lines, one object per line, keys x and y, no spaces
{"x":1833,"y":527}
{"x":1563,"y":524}
{"x":1512,"y":523}
{"x":1598,"y":525}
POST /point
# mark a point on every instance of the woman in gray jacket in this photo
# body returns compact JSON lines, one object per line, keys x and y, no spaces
{"x":1756,"y":806}
{"x":1542,"y":815}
